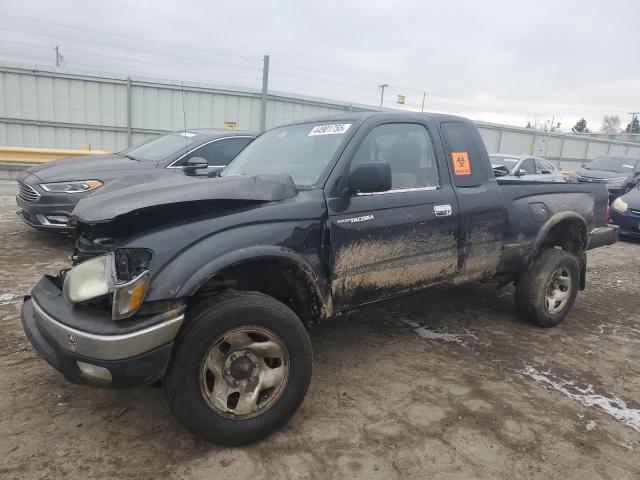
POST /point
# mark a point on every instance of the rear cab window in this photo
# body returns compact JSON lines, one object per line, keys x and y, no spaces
{"x":465,"y":158}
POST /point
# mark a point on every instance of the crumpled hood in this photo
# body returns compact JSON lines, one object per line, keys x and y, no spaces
{"x":87,"y":167}
{"x":137,"y":192}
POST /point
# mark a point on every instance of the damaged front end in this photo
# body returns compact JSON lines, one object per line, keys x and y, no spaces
{"x":96,"y":322}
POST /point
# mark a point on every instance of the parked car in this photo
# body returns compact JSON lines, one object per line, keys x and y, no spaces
{"x":525,"y":167}
{"x":620,"y":174}
{"x":47,"y":193}
{"x":625,"y":212}
{"x":210,"y":285}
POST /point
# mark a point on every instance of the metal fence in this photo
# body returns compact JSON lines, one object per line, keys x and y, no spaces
{"x":52,"y":107}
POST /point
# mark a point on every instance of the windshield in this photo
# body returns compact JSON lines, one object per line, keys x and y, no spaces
{"x":164,"y":147}
{"x":613,"y":164}
{"x":508,"y":162}
{"x":302,"y":151}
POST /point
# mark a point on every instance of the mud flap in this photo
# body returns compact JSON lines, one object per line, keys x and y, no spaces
{"x":582,"y":260}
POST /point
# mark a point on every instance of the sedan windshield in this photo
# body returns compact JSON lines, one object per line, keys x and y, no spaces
{"x":613,"y":164}
{"x":164,"y":147}
{"x":303,"y":151}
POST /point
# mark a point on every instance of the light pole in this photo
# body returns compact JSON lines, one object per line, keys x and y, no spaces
{"x":382,"y":87}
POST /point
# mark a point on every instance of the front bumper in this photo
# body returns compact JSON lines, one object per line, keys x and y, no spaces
{"x":132,"y":357}
{"x":629,"y":224}
{"x":46,"y":211}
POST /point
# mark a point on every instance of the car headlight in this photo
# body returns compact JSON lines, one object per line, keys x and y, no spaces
{"x":616,"y":180}
{"x":619,"y":205}
{"x":71,"y":187}
{"x":124,"y":273}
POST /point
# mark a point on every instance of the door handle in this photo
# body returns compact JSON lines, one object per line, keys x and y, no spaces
{"x":442,"y":210}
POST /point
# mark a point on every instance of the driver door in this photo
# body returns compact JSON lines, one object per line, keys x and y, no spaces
{"x":391,"y":242}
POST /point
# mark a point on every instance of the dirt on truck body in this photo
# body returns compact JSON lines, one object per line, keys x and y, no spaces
{"x":310,"y":220}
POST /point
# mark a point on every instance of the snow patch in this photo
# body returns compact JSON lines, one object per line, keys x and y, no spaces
{"x":614,"y":406}
{"x":461,"y":339}
{"x":591,"y":425}
{"x":7,"y":298}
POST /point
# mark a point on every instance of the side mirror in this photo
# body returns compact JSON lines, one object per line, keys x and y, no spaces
{"x":370,"y":177}
{"x":500,"y":171}
{"x":521,"y":172}
{"x":193,"y":164}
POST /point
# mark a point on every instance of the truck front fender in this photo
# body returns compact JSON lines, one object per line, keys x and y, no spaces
{"x":248,"y":254}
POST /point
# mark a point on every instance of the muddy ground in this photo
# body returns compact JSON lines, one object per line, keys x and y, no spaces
{"x":446,"y":384}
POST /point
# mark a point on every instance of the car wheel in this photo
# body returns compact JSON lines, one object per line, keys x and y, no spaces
{"x":240,"y":368}
{"x":545,"y":293}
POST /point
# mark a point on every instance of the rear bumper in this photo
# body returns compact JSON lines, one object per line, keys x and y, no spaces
{"x":602,"y":236}
{"x":125,"y":360}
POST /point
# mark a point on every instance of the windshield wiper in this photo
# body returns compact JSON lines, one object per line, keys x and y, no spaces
{"x":131,"y":157}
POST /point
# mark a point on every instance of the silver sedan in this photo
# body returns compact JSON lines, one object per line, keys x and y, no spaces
{"x":525,"y":167}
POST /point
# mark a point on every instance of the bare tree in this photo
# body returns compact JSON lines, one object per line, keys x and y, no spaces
{"x":611,"y":124}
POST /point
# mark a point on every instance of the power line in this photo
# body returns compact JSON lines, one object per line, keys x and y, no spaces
{"x":100,"y":68}
{"x":127,"y":48}
{"x":132,"y":37}
{"x":112,"y":57}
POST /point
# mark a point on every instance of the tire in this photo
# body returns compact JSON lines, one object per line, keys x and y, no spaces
{"x":198,"y":378}
{"x":535,"y":287}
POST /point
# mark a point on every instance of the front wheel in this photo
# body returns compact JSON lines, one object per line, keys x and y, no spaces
{"x":240,"y":369}
{"x":545,"y":293}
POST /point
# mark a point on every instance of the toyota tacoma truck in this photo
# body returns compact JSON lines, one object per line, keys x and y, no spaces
{"x":209,"y":286}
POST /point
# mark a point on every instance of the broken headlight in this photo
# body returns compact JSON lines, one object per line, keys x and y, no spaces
{"x":91,"y":279}
{"x":124,"y":273}
{"x":132,"y":272}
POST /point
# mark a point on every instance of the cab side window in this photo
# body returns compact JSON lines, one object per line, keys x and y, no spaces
{"x":544,"y":167}
{"x":408,"y":150}
{"x":466,"y":159}
{"x":220,"y":152}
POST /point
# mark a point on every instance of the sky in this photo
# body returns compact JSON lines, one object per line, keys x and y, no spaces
{"x":502,"y":61}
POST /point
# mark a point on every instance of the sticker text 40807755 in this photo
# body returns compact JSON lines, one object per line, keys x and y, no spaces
{"x":334,"y":129}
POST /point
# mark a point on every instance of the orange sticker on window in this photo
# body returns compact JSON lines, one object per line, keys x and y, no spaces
{"x":461,"y":165}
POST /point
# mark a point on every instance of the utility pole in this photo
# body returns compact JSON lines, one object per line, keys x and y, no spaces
{"x":424,"y":96}
{"x":382,"y":87}
{"x":265,"y":88}
{"x":59,"y":57}
{"x":634,"y":117}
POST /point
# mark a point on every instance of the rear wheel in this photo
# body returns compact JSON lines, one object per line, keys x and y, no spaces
{"x":240,"y":369}
{"x":546,"y":292}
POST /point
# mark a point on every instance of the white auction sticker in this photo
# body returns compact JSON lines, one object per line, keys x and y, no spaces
{"x":188,"y":134}
{"x":334,"y":129}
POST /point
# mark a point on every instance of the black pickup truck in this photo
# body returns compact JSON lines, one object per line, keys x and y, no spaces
{"x":209,"y":286}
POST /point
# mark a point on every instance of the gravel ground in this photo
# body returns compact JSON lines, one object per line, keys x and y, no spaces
{"x":445,"y":384}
